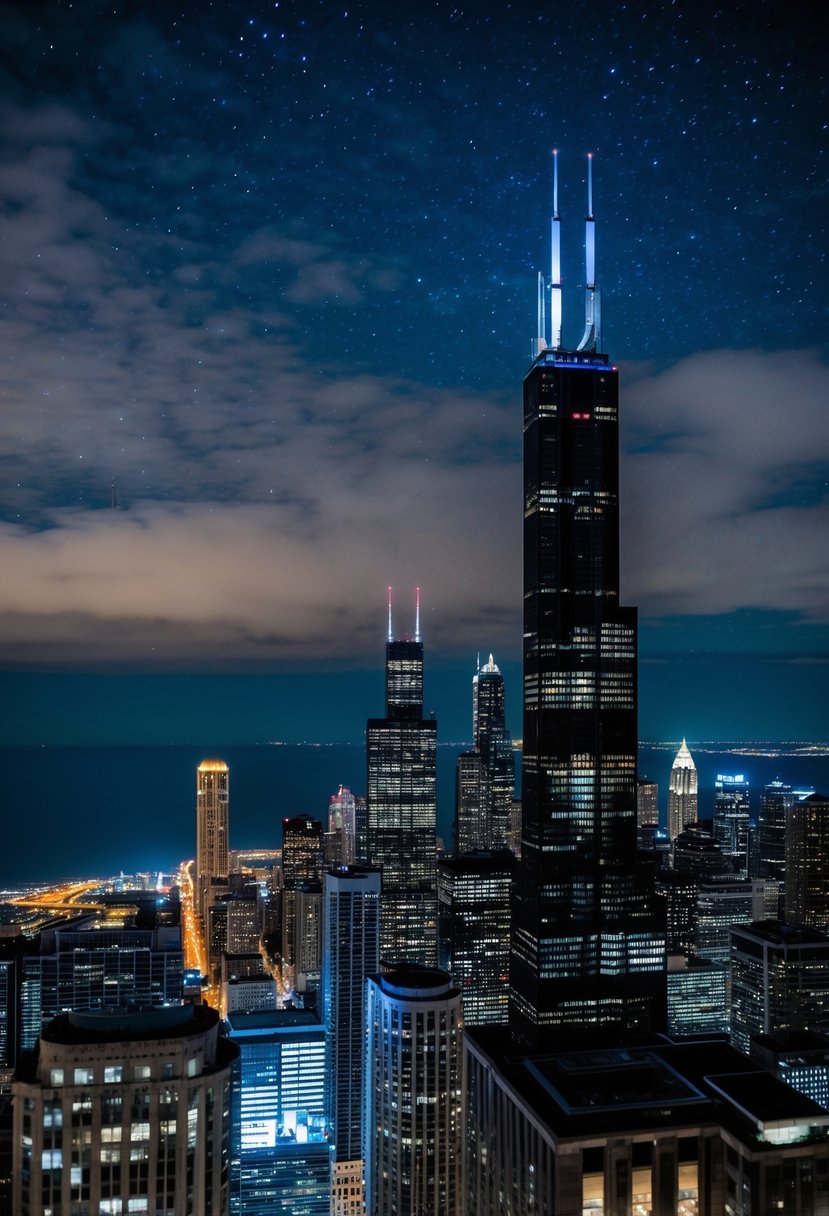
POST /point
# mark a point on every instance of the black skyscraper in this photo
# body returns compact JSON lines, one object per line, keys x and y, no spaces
{"x":486,"y":774}
{"x":587,"y":943}
{"x":401,"y":807}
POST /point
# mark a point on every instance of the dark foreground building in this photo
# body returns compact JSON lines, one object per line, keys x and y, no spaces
{"x":588,"y":943}
{"x":122,"y":1112}
{"x":664,"y":1128}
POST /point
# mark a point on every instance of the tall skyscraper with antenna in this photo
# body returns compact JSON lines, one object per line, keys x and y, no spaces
{"x":401,"y":806}
{"x":588,"y":948}
{"x":485,"y":775}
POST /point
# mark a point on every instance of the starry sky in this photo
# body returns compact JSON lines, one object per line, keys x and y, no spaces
{"x":270,"y":269}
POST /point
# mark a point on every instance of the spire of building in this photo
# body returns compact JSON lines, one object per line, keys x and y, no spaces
{"x":417,"y":636}
{"x":389,"y":633}
{"x":555,"y":264}
{"x":592,"y":301}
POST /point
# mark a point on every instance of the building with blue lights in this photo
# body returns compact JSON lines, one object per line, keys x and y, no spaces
{"x":279,"y":1142}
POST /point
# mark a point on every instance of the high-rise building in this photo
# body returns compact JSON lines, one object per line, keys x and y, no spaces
{"x":279,"y":1139}
{"x":401,"y":809}
{"x":776,"y":800}
{"x":412,"y":1094}
{"x":588,"y":947}
{"x":308,"y":940}
{"x":807,"y":863}
{"x":779,"y":981}
{"x":79,"y":969}
{"x":647,"y":812}
{"x":474,"y":931}
{"x":722,"y":904}
{"x":351,"y":952}
{"x":683,"y":791}
{"x":124,"y":1111}
{"x":212,"y":832}
{"x":342,"y":821}
{"x":302,"y":855}
{"x":731,"y":819}
{"x":486,"y":774}
{"x":697,"y":996}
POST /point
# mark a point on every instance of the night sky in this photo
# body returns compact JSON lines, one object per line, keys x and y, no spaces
{"x":271,"y":268}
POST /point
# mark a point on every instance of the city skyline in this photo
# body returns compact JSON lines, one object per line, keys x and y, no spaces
{"x":269,"y":292}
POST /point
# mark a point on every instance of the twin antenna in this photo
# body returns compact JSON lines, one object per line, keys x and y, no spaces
{"x":417,"y":637}
{"x":592,"y":300}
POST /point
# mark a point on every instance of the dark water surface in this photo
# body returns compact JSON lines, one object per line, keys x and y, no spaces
{"x":92,"y":811}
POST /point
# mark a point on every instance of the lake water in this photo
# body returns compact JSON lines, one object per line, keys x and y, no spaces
{"x":94,"y":811}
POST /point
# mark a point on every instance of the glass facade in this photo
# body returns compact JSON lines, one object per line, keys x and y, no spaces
{"x":401,"y":754}
{"x":731,"y":820}
{"x":485,"y":775}
{"x":279,"y":1137}
{"x":588,"y":944}
{"x":474,"y":931}
{"x":351,"y":936}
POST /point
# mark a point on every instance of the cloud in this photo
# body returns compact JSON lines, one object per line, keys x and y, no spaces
{"x":724,"y":484}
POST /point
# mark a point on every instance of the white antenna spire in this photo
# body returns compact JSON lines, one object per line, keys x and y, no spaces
{"x":592,"y":305}
{"x":417,"y":637}
{"x":390,"y":635}
{"x":541,"y":340}
{"x":555,"y":263}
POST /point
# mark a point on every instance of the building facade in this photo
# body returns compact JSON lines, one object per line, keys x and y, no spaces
{"x":413,"y":1094}
{"x":474,"y":892}
{"x":401,"y":752}
{"x":302,"y":855}
{"x":691,"y":1129}
{"x":351,"y":952}
{"x":279,"y":1143}
{"x":212,"y":832}
{"x":779,"y":981}
{"x":807,"y":863}
{"x":731,"y":819}
{"x":84,"y":969}
{"x":124,"y":1112}
{"x":683,"y":791}
{"x":588,"y":945}
{"x":485,"y":775}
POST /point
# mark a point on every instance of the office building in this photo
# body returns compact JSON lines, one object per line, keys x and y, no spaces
{"x":212,"y":832}
{"x":79,"y":969}
{"x":720,"y":905}
{"x":308,"y":941}
{"x":121,"y":1112}
{"x":680,"y":1129}
{"x":731,"y":820}
{"x":279,"y":1158}
{"x":412,"y":1094}
{"x":13,"y":948}
{"x":302,"y":856}
{"x":683,"y":791}
{"x":779,"y":981}
{"x":244,"y":923}
{"x":342,"y":823}
{"x":588,"y":942}
{"x":647,"y":812}
{"x":248,"y":993}
{"x":401,"y":806}
{"x":351,"y":952}
{"x":697,"y":996}
{"x":798,"y":1057}
{"x":679,"y":891}
{"x":807,"y":863}
{"x":474,"y":893}
{"x":776,"y":800}
{"x":485,"y":783}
